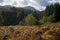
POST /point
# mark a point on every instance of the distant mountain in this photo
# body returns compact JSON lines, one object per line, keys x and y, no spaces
{"x":6,"y":7}
{"x":27,"y":7}
{"x":30,"y":8}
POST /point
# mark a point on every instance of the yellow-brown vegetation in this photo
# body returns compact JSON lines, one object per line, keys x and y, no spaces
{"x":43,"y":32}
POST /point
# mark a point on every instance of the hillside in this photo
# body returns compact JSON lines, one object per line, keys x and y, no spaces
{"x":28,"y":15}
{"x":43,"y":32}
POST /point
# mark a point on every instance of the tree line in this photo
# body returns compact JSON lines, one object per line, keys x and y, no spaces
{"x":20,"y":16}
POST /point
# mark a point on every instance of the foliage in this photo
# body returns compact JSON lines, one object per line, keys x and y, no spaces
{"x":30,"y":20}
{"x":52,"y":13}
{"x":51,"y":19}
{"x":43,"y":20}
{"x":1,"y":18}
{"x":17,"y":16}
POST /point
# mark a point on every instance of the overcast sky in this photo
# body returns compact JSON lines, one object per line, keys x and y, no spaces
{"x":38,"y":4}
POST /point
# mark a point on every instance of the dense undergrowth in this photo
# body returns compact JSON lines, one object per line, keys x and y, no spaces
{"x":43,"y":32}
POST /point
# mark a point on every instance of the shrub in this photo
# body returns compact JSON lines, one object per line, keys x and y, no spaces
{"x":30,"y":20}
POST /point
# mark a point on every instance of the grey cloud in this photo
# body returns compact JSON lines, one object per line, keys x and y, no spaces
{"x":15,"y":3}
{"x":43,"y":2}
{"x":25,"y":2}
{"x":21,"y":3}
{"x":1,"y":1}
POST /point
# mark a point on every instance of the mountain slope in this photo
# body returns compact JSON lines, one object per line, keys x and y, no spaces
{"x":30,"y":8}
{"x":6,"y":7}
